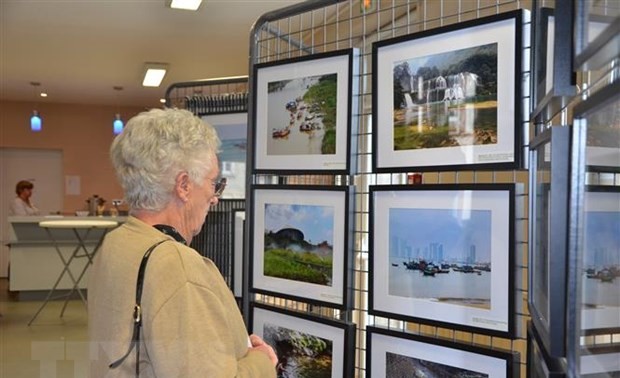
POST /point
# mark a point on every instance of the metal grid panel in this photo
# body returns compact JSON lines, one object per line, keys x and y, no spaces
{"x":331,"y":26}
{"x":212,"y":96}
{"x":205,"y":97}
{"x":215,"y":239}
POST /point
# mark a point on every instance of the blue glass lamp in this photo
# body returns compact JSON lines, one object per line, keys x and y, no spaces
{"x":118,"y":124}
{"x":35,"y":121}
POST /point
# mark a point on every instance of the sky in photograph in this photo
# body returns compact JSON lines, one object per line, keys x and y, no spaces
{"x":238,"y":131}
{"x":316,"y":222}
{"x":443,"y":60}
{"x":457,"y":230}
{"x":602,"y":237}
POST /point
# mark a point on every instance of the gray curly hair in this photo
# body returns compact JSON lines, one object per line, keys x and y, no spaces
{"x":154,"y":148}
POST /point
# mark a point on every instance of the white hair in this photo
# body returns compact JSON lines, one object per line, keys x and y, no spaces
{"x":154,"y":148}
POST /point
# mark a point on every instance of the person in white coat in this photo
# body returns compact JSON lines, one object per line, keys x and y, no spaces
{"x":22,"y":205}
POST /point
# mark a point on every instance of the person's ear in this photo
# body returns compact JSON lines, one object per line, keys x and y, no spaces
{"x":183,"y":186}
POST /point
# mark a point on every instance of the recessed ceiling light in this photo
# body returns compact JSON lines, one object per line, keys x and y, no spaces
{"x":153,"y":74}
{"x":184,"y":4}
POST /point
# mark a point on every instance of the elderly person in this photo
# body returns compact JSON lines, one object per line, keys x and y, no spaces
{"x":188,"y":323}
{"x":22,"y":205}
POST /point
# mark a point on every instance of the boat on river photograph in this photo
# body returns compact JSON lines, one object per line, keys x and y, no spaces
{"x":292,"y":114}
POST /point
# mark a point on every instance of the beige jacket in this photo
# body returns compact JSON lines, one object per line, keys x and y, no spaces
{"x":191,"y":323}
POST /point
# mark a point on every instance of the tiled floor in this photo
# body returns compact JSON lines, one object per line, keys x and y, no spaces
{"x":51,"y":347}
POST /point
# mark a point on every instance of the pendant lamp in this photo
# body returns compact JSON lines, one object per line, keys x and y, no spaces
{"x":35,"y":121}
{"x":117,"y":125}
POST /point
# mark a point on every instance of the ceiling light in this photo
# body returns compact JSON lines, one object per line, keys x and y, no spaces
{"x":162,"y":100}
{"x":35,"y":121}
{"x":184,"y":4}
{"x":117,"y":126}
{"x":153,"y":74}
{"x":43,"y":94}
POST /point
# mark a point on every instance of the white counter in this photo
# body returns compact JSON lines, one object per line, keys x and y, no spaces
{"x":34,"y":262}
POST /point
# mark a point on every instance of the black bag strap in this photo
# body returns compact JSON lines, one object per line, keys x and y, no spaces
{"x":137,"y":312}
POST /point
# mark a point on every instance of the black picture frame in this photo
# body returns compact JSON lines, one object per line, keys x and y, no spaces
{"x":592,"y":159}
{"x":309,"y":231}
{"x":599,"y":309}
{"x":304,"y":143}
{"x":389,"y":349}
{"x":337,"y":335}
{"x":446,"y":228}
{"x":548,"y":232}
{"x":539,"y":363}
{"x":596,"y":35}
{"x":553,"y":77}
{"x":396,"y":144}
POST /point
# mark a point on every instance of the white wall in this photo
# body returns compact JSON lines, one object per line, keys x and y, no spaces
{"x":44,"y":169}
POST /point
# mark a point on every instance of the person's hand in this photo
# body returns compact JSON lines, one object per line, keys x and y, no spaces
{"x":260,"y":345}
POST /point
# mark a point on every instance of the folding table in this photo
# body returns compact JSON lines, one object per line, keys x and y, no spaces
{"x":81,"y":250}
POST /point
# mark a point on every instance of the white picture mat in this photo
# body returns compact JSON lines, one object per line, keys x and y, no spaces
{"x":601,"y":156}
{"x":324,"y":331}
{"x":501,"y":32}
{"x":381,"y":344}
{"x":238,"y":254}
{"x":335,"y":199}
{"x":235,"y":187}
{"x":338,"y":65}
{"x":599,"y":363}
{"x":602,"y":317}
{"x":550,"y":55}
{"x":497,"y":201}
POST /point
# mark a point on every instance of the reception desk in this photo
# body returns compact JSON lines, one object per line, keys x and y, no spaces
{"x":34,"y":262}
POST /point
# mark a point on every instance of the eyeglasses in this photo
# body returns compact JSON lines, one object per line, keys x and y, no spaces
{"x":219,"y":186}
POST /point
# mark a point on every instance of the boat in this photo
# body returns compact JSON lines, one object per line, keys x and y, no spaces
{"x":291,"y":106}
{"x":430,"y":270}
{"x":444,"y":268}
{"x":280,"y":133}
{"x":394,"y":264}
{"x":606,"y":275}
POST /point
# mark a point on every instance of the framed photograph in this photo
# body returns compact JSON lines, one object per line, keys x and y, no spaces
{"x":596,"y":34}
{"x":553,"y":75}
{"x":539,"y":364}
{"x":302,"y":117}
{"x":300,"y":243}
{"x":306,"y":345}
{"x":237,"y":258}
{"x":600,"y":261}
{"x":548,"y":232}
{"x":443,"y":255}
{"x":449,"y":98}
{"x":232,"y":130}
{"x":397,"y":354}
{"x":599,"y":115}
{"x":600,"y":361}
